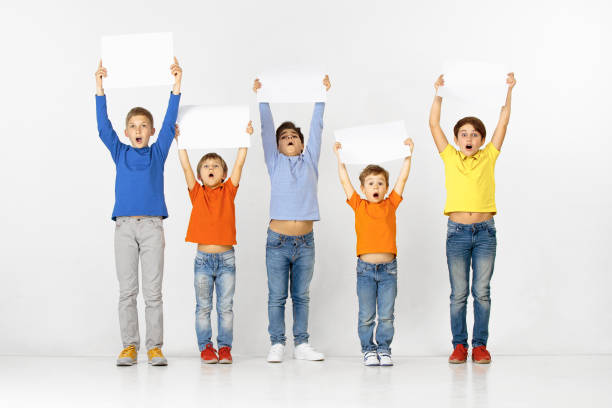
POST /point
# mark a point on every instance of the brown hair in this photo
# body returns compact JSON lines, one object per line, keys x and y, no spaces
{"x":288,"y":125}
{"x":373,"y":169}
{"x":213,"y":156}
{"x":471,"y":120}
{"x":138,"y":111}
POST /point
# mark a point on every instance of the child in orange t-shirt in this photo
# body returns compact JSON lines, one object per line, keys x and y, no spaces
{"x":213,"y":227}
{"x":376,"y":252}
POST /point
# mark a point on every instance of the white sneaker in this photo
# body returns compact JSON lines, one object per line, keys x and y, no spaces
{"x":370,"y":359}
{"x":305,"y":351}
{"x":276,"y":353}
{"x":385,"y":359}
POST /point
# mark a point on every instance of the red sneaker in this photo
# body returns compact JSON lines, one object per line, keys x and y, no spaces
{"x":209,"y":355}
{"x":225,"y":357}
{"x":480,"y":355}
{"x":459,"y":355}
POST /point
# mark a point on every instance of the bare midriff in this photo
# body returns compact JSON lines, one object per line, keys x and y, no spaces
{"x":291,"y":227}
{"x":214,"y":249}
{"x":470,"y":217}
{"x":377,"y":257}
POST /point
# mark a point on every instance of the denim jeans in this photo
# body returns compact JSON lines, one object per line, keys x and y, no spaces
{"x":376,"y":288}
{"x":290,"y":265}
{"x":215,"y":271}
{"x":473,"y":244}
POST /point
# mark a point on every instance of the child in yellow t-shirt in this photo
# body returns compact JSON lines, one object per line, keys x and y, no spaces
{"x":470,"y":206}
{"x":376,"y":254}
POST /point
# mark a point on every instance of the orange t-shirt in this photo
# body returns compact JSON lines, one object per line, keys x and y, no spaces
{"x":375,"y":223}
{"x":213,"y":219}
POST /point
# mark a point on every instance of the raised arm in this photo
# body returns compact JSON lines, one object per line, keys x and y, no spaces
{"x":504,"y":117}
{"x":343,"y":174}
{"x":105,"y":128}
{"x":166,"y":133}
{"x":316,"y":126}
{"x":184,"y":159}
{"x":240,"y":158}
{"x":405,"y":171}
{"x":434,"y":118}
{"x":268,"y":133}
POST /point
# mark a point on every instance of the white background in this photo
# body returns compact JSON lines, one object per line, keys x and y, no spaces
{"x":550,"y":290}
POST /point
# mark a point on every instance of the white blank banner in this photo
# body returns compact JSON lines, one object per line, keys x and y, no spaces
{"x":291,"y":87}
{"x":208,"y":127}
{"x":474,"y":81}
{"x":373,"y":143}
{"x":137,"y":60}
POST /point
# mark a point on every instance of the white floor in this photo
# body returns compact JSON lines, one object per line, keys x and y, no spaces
{"x":510,"y":381}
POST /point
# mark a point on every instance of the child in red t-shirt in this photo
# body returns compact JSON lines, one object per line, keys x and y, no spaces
{"x":213,"y":227}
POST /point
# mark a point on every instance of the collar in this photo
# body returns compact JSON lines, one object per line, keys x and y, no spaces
{"x":207,"y":189}
{"x":475,"y":156}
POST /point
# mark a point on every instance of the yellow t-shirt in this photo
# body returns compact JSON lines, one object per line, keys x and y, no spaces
{"x":470,"y":181}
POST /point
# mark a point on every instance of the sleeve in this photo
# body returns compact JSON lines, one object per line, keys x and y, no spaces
{"x":166,"y":133}
{"x":492,"y":152}
{"x":316,"y":129}
{"x":395,"y":199}
{"x":105,"y":128}
{"x":354,"y":201}
{"x":231,"y":188}
{"x":193,"y":194}
{"x":448,"y":152}
{"x":268,"y":135}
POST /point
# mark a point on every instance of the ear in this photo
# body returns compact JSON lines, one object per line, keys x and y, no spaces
{"x":152,"y":131}
{"x":362,"y":189}
{"x":125,"y":133}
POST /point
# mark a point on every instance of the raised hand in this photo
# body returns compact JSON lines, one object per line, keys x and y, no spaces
{"x":177,"y":132}
{"x":326,"y":82}
{"x":249,"y":128}
{"x":439,"y":82}
{"x":337,"y":148}
{"x":410,"y":143}
{"x":177,"y":73}
{"x":510,"y":80}
{"x":100,"y":73}
{"x":256,"y":85}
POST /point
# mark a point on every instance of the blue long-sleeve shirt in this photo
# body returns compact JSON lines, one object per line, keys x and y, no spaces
{"x":293,"y":178}
{"x":139,"y":183}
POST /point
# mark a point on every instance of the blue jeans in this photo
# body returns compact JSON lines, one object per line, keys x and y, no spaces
{"x":473,"y":244}
{"x":376,"y":287}
{"x":290,"y":264}
{"x":215,"y":271}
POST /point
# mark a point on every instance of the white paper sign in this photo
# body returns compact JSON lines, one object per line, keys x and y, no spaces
{"x":373,"y":143}
{"x":474,"y":81}
{"x":137,"y":60}
{"x":218,"y":127}
{"x":291,"y":87}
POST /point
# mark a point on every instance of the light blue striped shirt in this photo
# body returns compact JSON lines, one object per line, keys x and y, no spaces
{"x":293,"y":178}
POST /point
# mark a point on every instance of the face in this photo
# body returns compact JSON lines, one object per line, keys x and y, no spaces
{"x":139,"y":130}
{"x":468,"y":140}
{"x":289,"y":143}
{"x":374,"y":187}
{"x":211,"y":173}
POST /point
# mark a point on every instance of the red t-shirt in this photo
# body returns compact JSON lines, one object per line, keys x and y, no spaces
{"x":213,"y":219}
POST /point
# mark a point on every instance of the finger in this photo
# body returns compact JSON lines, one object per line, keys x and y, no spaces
{"x":176,"y":61}
{"x":100,"y":64}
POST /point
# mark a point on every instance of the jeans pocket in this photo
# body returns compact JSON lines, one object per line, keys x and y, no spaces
{"x":229,"y":261}
{"x":274,"y":243}
{"x":309,"y":242}
{"x":492,"y":230}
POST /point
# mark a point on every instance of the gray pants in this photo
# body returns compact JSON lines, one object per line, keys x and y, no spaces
{"x":140,"y":237}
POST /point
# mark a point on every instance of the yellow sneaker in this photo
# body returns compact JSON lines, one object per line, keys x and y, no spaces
{"x":128,"y":356}
{"x":156,"y":357}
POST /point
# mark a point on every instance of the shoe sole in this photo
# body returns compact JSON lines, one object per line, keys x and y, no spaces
{"x":210,"y":361}
{"x":125,"y":364}
{"x":225,"y":361}
{"x":158,"y":364}
{"x":482,"y":361}
{"x":386,"y":365}
{"x":457,"y":361}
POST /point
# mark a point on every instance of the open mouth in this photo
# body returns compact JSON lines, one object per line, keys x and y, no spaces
{"x":375,"y":195}
{"x":139,"y":140}
{"x":290,"y":144}
{"x":211,"y":175}
{"x":468,"y":147}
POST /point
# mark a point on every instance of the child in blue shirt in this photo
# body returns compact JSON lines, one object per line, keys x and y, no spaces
{"x":294,"y":207}
{"x":139,"y":210}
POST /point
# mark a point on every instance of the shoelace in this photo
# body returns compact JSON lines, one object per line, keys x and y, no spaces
{"x":126,"y":351}
{"x":156,"y":352}
{"x":369,"y":354}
